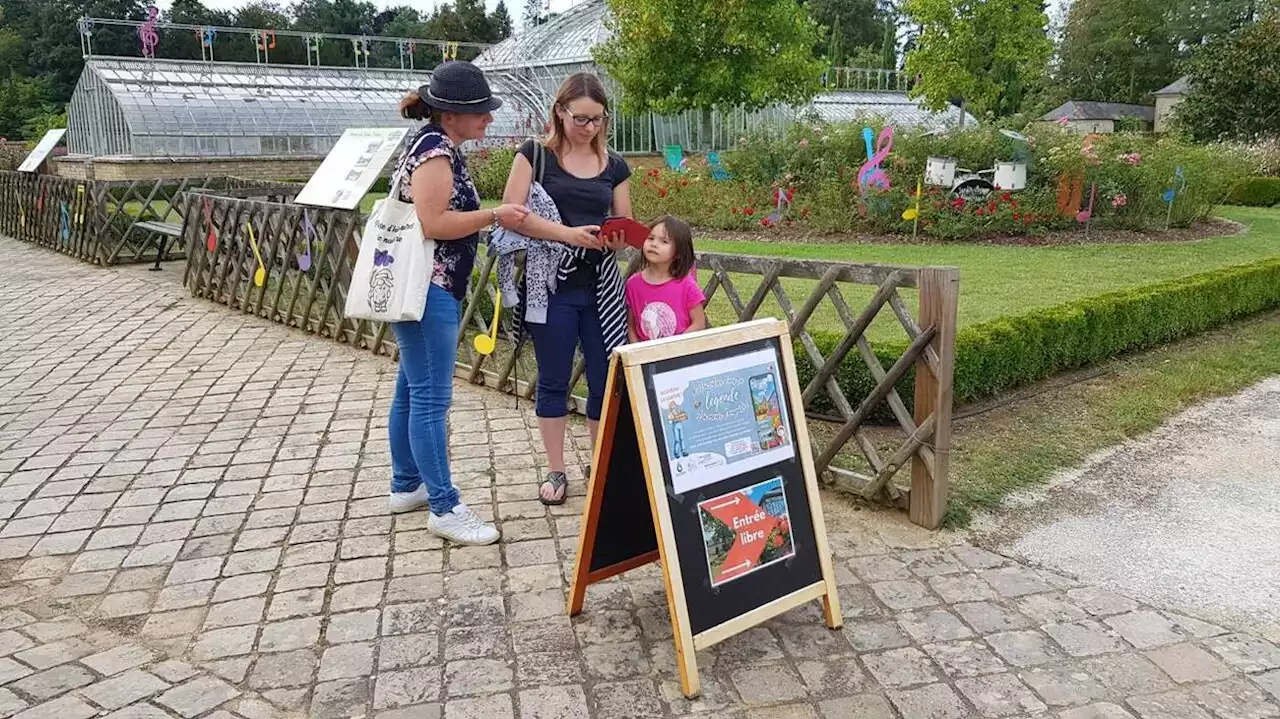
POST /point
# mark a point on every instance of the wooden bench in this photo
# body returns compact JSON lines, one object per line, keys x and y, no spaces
{"x":165,"y":233}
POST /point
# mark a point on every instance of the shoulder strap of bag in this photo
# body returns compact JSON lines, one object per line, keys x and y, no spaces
{"x":401,"y":171}
{"x":539,"y":161}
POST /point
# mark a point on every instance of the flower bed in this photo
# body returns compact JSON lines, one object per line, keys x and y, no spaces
{"x":817,"y":167}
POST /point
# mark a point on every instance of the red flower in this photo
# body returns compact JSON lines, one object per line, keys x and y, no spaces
{"x":1006,"y":197}
{"x":766,"y":222}
{"x":1013,"y":204}
{"x":684,"y":183}
{"x":1017,"y":216}
{"x":991,"y":206}
{"x":748,"y":210}
{"x":653,"y":172}
{"x":662,"y":192}
{"x":979,"y":212}
{"x":958,"y":203}
{"x":733,"y":210}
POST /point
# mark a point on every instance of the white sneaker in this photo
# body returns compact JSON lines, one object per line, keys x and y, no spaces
{"x":463,"y":527}
{"x":408,"y":501}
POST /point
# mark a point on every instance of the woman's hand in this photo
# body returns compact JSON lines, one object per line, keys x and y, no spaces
{"x":616,"y":241}
{"x":587,"y":236}
{"x":510,"y":216}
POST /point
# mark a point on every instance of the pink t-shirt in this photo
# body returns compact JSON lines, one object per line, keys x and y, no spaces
{"x":662,"y":310}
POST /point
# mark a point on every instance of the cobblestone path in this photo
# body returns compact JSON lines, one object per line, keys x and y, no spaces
{"x":193,"y":524}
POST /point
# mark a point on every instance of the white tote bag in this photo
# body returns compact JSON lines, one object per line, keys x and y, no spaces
{"x":395,"y":264}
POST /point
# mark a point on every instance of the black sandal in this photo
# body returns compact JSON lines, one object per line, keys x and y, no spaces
{"x":559,"y":486}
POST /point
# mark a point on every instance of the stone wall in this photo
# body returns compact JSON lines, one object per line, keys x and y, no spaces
{"x":134,"y":168}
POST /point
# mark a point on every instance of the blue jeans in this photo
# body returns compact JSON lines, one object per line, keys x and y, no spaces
{"x":424,"y":391}
{"x":572,"y":319}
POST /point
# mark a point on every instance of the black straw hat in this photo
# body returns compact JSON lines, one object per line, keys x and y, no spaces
{"x":459,"y":86}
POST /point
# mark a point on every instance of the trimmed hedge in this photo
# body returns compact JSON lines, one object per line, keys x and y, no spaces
{"x":1256,"y":192}
{"x":999,"y":355}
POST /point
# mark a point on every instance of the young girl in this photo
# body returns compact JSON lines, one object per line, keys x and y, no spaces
{"x":663,"y":298}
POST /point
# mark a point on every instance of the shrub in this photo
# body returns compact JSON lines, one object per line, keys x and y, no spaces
{"x":1256,"y":192}
{"x":819,"y":163}
{"x":1001,"y":354}
{"x":489,"y":169}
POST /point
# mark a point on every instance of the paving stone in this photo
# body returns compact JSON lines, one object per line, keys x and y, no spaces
{"x":834,"y":678}
{"x":498,"y":706}
{"x":1145,"y":629}
{"x":235,"y":613}
{"x":871,"y":636}
{"x":961,"y":588}
{"x":49,"y":655}
{"x":1169,"y":705}
{"x":11,"y":670}
{"x":556,"y":702}
{"x":11,"y":703}
{"x":1050,"y":608}
{"x":1000,"y":695}
{"x":1084,"y":638}
{"x":1236,"y":697}
{"x":466,"y":677}
{"x":934,"y":701}
{"x":901,"y":667}
{"x":407,"y":618}
{"x":284,"y":669}
{"x":347,"y":660}
{"x":1025,"y":648}
{"x":1188,"y":663}
{"x":537,"y":669}
{"x":54,"y":682}
{"x":988,"y":617}
{"x":67,"y":707}
{"x":340,"y":699}
{"x":407,"y":650}
{"x":1063,"y":684}
{"x":470,"y":642}
{"x":1128,"y":674}
{"x":1099,"y":602}
{"x":116,"y":692}
{"x":1101,"y":710}
{"x":1270,"y":682}
{"x":934,"y":625}
{"x":902,"y":595}
{"x":291,"y":634}
{"x":969,"y":658}
{"x":1245,"y":653}
{"x":228,"y":642}
{"x":406,"y":687}
{"x":352,"y":627}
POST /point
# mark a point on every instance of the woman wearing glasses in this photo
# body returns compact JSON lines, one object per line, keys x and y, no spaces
{"x":587,"y":183}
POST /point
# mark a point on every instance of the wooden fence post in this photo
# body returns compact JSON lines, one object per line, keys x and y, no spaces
{"x":939,"y":295}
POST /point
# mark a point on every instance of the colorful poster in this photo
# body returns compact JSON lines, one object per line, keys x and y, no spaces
{"x":723,"y":418}
{"x":746,"y":530}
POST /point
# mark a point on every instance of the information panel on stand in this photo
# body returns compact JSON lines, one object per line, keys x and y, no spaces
{"x":702,"y":431}
{"x":351,"y":167}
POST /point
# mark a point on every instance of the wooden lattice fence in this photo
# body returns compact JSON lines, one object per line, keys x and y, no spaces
{"x":221,"y":268}
{"x":110,"y":222}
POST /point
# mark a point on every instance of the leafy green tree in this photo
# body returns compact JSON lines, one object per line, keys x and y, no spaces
{"x":676,"y":55}
{"x":1115,"y":51}
{"x":500,"y":21}
{"x":1235,"y":89}
{"x":987,"y":53}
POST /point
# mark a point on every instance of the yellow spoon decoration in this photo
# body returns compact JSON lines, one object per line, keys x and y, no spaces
{"x":912,"y":214}
{"x":486,"y":344}
{"x":259,"y":275}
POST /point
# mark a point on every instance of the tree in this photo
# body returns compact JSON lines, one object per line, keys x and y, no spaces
{"x":1115,"y":51}
{"x":535,"y":13}
{"x":1235,"y":91}
{"x":851,"y":25}
{"x":676,"y":55}
{"x":500,"y":21}
{"x":985,"y":52}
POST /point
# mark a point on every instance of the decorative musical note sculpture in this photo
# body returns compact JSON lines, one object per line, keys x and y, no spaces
{"x":211,"y":239}
{"x":64,"y":221}
{"x":147,"y":33}
{"x":1171,"y":194}
{"x":308,"y":232}
{"x":718,"y":173}
{"x":1087,"y":214}
{"x":871,"y":173}
{"x":486,"y":344}
{"x":260,"y":274}
{"x":782,"y":201}
{"x":912,"y":214}
{"x":206,"y":35}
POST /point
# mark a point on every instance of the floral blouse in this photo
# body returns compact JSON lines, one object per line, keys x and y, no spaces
{"x":454,"y":258}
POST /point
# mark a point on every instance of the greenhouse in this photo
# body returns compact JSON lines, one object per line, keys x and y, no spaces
{"x":541,"y":57}
{"x":185,"y":108}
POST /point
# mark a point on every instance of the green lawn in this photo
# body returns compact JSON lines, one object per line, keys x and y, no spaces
{"x":1001,"y":280}
{"x":1022,"y":445}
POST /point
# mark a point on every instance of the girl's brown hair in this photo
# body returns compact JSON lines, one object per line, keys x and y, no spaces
{"x":682,"y":237}
{"x":413,"y":108}
{"x":579,"y":85}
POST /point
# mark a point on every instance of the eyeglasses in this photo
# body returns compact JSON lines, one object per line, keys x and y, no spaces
{"x":584,"y":120}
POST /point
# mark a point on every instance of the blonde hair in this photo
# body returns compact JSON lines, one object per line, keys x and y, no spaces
{"x":579,"y":85}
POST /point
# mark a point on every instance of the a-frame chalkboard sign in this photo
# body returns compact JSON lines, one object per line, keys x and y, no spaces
{"x":703,"y":462}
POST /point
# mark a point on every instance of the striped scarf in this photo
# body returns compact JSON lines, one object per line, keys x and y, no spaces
{"x":610,"y":301}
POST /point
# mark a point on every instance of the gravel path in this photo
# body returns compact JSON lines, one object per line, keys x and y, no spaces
{"x":1188,"y":517}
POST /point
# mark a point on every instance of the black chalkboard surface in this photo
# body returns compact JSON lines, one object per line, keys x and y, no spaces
{"x":703,"y":462}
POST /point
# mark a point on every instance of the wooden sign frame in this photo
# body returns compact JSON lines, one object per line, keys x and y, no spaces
{"x":627,"y":377}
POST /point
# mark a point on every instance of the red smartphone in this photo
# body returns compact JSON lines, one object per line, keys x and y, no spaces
{"x":634,"y":232}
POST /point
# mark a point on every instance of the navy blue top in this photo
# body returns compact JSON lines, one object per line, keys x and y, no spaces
{"x":454,"y":258}
{"x":581,"y":201}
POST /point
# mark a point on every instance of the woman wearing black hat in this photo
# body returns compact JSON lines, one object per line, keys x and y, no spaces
{"x":457,"y":107}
